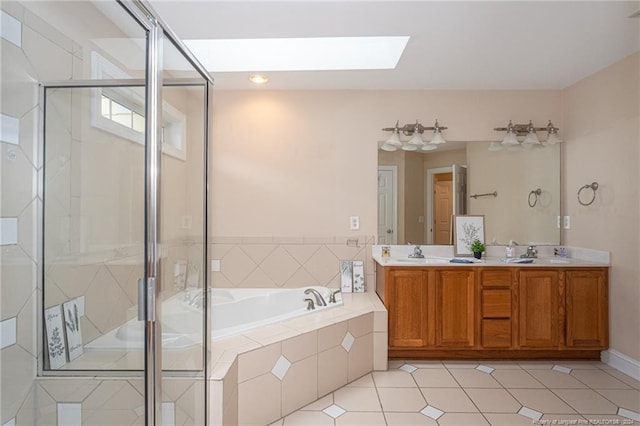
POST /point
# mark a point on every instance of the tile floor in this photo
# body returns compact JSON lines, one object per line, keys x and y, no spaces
{"x":480,"y":393}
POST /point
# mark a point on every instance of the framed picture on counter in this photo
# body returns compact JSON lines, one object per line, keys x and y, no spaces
{"x":466,"y":229}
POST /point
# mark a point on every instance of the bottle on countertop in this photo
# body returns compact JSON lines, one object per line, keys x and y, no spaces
{"x":509,"y":249}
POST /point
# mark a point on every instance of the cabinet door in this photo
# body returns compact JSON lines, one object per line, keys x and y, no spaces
{"x":587,"y":309}
{"x":455,"y":311}
{"x":407,"y":290}
{"x":538,"y":298}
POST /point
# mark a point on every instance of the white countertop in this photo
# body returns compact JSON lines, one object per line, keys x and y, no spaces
{"x":494,"y":256}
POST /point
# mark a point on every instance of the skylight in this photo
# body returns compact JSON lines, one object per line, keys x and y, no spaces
{"x":299,"y":54}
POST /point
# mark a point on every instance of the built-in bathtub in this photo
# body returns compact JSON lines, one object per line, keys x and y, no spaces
{"x":233,"y":312}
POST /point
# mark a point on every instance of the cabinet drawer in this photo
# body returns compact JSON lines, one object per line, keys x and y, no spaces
{"x":496,"y":333}
{"x":496,"y":303}
{"x":495,"y":278}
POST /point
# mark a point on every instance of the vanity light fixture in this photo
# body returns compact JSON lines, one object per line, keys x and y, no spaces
{"x":527,"y":134}
{"x":415,"y":132}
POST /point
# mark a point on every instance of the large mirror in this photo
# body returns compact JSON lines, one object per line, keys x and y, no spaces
{"x":517,"y":191}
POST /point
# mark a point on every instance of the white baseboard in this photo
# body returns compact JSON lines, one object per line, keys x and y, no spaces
{"x":621,"y":362}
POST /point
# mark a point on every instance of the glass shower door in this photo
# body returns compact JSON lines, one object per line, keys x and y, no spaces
{"x":182,"y":241}
{"x":124,"y":226}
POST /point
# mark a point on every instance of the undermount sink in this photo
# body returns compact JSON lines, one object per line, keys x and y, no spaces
{"x":421,"y":261}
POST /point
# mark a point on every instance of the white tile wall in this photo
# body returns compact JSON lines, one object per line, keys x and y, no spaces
{"x":8,"y":231}
{"x":11,"y":29}
{"x":8,"y":332}
{"x":168,"y":414}
{"x":9,"y":129}
{"x":282,"y":366}
{"x":69,"y":414}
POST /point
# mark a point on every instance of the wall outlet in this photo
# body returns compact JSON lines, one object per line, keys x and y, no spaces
{"x":559,"y":222}
{"x":566,"y":222}
{"x":354,"y":223}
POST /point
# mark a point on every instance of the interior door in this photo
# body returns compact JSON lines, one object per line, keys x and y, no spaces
{"x":459,"y":189}
{"x":387,"y":205}
{"x":442,"y":207}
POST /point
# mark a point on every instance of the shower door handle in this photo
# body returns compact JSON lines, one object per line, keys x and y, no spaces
{"x":147,"y":305}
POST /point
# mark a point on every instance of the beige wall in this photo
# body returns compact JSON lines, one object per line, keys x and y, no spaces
{"x":396,"y":158}
{"x":513,"y":174}
{"x":414,"y":199}
{"x":299,"y":163}
{"x":602,"y":134}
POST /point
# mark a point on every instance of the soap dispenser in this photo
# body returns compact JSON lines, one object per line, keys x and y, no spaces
{"x":508,"y":251}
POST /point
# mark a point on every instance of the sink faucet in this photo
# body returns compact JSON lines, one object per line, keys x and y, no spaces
{"x":332,"y":298}
{"x":319,"y":299}
{"x":417,"y":253}
{"x":532,"y":252}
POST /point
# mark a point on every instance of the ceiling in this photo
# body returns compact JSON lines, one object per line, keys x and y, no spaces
{"x":453,"y":45}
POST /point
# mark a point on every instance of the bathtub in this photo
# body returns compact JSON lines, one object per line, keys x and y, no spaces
{"x":233,"y":311}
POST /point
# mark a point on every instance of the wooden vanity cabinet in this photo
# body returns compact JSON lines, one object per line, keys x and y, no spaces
{"x":408,"y":312}
{"x":538,"y":302}
{"x":496,"y":308}
{"x":455,"y":301}
{"x":586,"y":301}
{"x":495,"y":312}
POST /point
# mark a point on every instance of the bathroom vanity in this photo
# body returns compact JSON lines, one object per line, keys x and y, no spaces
{"x":495,"y":310}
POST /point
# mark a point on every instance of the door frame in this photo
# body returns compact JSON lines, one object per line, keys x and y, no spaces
{"x":394,"y":198}
{"x":429,"y":198}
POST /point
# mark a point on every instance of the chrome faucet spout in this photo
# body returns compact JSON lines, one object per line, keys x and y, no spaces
{"x":417,"y":253}
{"x":319,"y":299}
{"x":532,"y":252}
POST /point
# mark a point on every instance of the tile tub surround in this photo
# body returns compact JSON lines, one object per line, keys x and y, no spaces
{"x":288,"y":262}
{"x":264,"y":374}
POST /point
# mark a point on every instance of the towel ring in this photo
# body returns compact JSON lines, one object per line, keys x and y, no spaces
{"x":594,"y":187}
{"x":535,"y":193}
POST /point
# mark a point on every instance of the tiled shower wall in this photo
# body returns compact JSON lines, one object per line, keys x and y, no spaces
{"x":288,"y":262}
{"x":32,"y":51}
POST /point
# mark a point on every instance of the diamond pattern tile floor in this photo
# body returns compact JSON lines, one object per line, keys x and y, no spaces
{"x":460,"y":393}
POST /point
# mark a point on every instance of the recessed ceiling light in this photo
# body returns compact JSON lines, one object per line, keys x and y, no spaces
{"x":258,"y":79}
{"x":299,"y":54}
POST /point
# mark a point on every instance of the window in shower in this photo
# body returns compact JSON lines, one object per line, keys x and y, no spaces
{"x":120,"y":111}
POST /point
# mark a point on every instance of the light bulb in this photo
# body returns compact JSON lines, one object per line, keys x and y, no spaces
{"x":437,"y":138}
{"x":416,"y":139}
{"x":553,"y":138}
{"x":394,"y":139}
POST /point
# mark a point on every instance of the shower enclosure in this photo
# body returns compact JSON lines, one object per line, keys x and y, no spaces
{"x":124,"y":223}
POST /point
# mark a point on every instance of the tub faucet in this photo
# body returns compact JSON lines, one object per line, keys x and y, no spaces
{"x":310,"y":305}
{"x":319,"y":299}
{"x":332,"y":298}
{"x":417,"y":253}
{"x":196,"y":300}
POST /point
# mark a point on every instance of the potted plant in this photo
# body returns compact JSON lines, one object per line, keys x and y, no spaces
{"x":477,"y":247}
